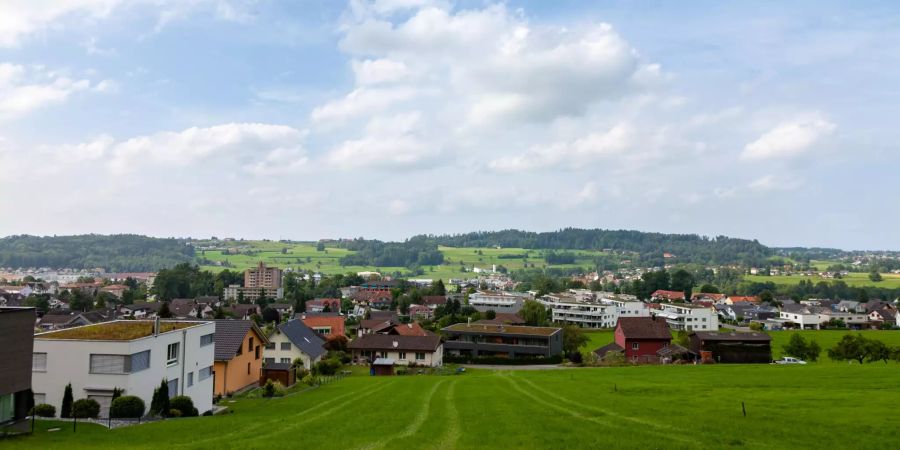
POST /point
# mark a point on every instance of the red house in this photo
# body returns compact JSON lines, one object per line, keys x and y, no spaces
{"x":639,"y":338}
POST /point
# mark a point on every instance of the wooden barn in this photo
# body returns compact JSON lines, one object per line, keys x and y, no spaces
{"x":733,"y":347}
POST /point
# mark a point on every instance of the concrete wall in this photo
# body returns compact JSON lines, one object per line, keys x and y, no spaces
{"x":68,"y":361}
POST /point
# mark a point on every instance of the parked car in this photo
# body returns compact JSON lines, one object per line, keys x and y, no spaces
{"x":789,"y":360}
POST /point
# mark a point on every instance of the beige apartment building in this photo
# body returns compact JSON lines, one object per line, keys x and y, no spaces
{"x":263,"y":277}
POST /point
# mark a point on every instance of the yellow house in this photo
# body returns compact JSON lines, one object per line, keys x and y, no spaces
{"x":238,"y":360}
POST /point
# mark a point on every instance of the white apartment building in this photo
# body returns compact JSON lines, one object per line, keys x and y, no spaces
{"x":688,"y":317}
{"x":593,"y":310}
{"x":498,"y":301}
{"x":131,"y":355}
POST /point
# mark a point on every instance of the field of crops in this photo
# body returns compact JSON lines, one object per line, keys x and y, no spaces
{"x":629,"y":407}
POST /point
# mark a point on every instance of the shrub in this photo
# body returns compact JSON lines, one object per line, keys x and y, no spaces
{"x":184,"y":404}
{"x":43,"y":410}
{"x":308,"y":380}
{"x":160,"y":403}
{"x":207,"y":413}
{"x":574,"y":357}
{"x":174,"y":413}
{"x":327,"y":367}
{"x":66,"y":411}
{"x":128,"y":407}
{"x":86,"y":408}
{"x":301,"y":374}
{"x":269,"y":389}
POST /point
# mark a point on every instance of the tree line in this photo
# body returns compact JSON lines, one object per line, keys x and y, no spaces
{"x":117,"y":253}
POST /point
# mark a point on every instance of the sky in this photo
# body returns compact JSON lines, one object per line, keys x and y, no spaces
{"x":775,"y":121}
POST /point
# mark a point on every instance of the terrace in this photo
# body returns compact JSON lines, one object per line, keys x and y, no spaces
{"x":121,"y":330}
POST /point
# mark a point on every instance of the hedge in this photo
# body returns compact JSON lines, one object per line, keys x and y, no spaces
{"x":86,"y":408}
{"x":43,"y":410}
{"x":184,"y":404}
{"x":127,"y":407}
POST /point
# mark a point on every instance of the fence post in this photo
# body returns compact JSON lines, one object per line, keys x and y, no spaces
{"x":74,"y":422}
{"x":32,"y":421}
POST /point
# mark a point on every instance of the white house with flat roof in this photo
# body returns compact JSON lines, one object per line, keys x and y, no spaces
{"x":688,"y":317}
{"x":498,"y":301}
{"x":132,"y":355}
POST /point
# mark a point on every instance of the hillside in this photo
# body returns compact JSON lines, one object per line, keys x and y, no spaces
{"x":117,"y":253}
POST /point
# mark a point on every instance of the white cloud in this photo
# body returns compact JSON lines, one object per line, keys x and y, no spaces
{"x":21,"y":18}
{"x":389,"y":142}
{"x":788,"y":139}
{"x":360,"y":102}
{"x":23,"y":89}
{"x":577,"y":153}
{"x":257,"y":147}
{"x":377,"y":71}
{"x":769,"y":183}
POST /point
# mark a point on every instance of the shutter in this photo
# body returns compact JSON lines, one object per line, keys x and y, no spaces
{"x":39,"y":362}
{"x":108,"y":364}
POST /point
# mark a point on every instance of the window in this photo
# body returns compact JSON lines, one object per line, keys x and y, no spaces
{"x":285,"y":345}
{"x":140,"y":361}
{"x":270,"y":346}
{"x":172,"y":354}
{"x":257,"y":352}
{"x":635,"y":345}
{"x":205,"y":373}
{"x":38,"y":362}
{"x":402,"y":355}
{"x":190,"y":379}
{"x":248,"y":368}
{"x":206,"y":339}
{"x":324,"y":331}
{"x":173,"y":388}
{"x":250,"y":344}
{"x":420,"y":356}
{"x":285,"y":360}
{"x":268,"y":360}
{"x":108,"y":364}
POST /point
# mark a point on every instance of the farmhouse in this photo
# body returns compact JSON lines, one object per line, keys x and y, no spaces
{"x":238,"y":353}
{"x":639,"y":338}
{"x":503,"y":340}
{"x":403,"y":350}
{"x":133,"y":355}
{"x":733,"y":347}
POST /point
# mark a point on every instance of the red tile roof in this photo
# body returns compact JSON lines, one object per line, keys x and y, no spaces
{"x":668,"y":295}
{"x":738,"y":298}
{"x":409,"y":329}
{"x":335,"y":322}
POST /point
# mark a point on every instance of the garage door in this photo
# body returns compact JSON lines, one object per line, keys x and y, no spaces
{"x":104,"y":401}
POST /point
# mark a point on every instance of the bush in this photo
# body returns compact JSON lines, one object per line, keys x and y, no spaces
{"x":301,"y":374}
{"x":207,"y":413}
{"x":574,"y":357}
{"x":43,"y":410}
{"x":127,"y":407}
{"x":327,"y":367}
{"x":184,"y":404}
{"x":308,"y":380}
{"x":174,"y":413}
{"x":86,"y":408}
{"x":269,"y":389}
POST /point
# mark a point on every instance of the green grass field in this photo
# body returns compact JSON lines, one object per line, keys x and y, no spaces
{"x":305,"y":257}
{"x":836,"y":406}
{"x":890,"y":281}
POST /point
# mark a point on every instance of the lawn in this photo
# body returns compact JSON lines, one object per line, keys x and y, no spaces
{"x":304,"y":256}
{"x":628,"y":407}
{"x":890,"y":280}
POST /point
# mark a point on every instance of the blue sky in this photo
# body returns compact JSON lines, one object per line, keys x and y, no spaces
{"x":389,"y":118}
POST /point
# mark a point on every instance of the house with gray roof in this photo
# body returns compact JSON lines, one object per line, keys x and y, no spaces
{"x":238,"y":355}
{"x":292,"y":340}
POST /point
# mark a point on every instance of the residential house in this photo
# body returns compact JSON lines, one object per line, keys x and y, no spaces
{"x":326,"y":324}
{"x":378,"y":285}
{"x":141,"y":310}
{"x":183,"y":308}
{"x":498,"y":301}
{"x":242,"y":311}
{"x":234,"y":292}
{"x":640,"y":339}
{"x":319,"y":305}
{"x":291,"y":340}
{"x":688,"y":317}
{"x":115,"y":289}
{"x":420,"y":312}
{"x":566,"y":308}
{"x":662,"y":295}
{"x":132,"y":355}
{"x":263,"y":277}
{"x":433,"y":301}
{"x":503,"y":319}
{"x":510,"y":341}
{"x":238,"y":356}
{"x":284,"y":310}
{"x":732,"y":347}
{"x":403,"y":350}
{"x":16,"y":362}
{"x":732,"y":299}
{"x":849,"y":306}
{"x":710,"y":297}
{"x":373,"y":298}
{"x":408,"y":329}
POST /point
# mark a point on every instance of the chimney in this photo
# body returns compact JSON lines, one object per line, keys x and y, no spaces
{"x":156,"y":327}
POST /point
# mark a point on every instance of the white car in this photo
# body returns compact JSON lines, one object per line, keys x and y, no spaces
{"x":790,"y":360}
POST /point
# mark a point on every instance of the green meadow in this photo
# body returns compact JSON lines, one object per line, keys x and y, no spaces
{"x":890,"y":280}
{"x":813,"y":406}
{"x":304,"y":256}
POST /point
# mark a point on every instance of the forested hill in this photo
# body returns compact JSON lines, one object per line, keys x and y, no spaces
{"x":116,"y":253}
{"x":650,"y":246}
